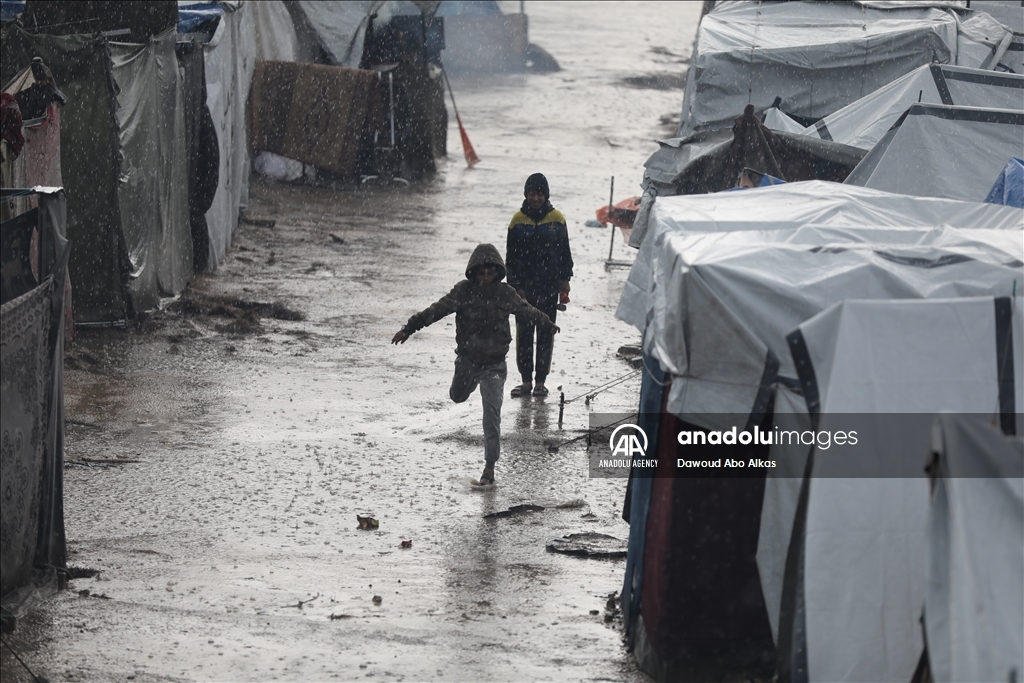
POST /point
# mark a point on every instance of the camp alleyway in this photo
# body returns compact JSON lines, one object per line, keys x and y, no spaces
{"x":222,"y":451}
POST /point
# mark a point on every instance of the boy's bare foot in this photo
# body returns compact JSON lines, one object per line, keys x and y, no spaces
{"x":523,"y":389}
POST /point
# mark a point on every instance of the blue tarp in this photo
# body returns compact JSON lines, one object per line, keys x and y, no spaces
{"x":1008,"y":189}
{"x":638,"y":496}
{"x":9,"y":9}
{"x":191,"y":16}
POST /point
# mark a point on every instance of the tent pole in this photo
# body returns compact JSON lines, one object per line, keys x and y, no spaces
{"x":611,"y":193}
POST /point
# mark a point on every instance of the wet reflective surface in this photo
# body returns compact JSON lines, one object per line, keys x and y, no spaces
{"x":221,"y":455}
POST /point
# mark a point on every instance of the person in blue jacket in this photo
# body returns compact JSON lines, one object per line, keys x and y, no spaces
{"x":539,"y":266}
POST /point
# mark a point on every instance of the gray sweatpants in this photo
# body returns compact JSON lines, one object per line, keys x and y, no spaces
{"x":491,"y":379}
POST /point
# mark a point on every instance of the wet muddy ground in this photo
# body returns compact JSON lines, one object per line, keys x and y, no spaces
{"x":220,"y":450}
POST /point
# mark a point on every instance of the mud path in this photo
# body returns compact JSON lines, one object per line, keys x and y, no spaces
{"x":222,"y":449}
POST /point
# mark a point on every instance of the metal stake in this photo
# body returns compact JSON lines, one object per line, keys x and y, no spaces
{"x":611,"y":193}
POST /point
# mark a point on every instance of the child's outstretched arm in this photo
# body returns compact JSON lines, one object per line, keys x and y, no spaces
{"x":446,"y":305}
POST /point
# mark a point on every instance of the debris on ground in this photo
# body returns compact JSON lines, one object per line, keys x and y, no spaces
{"x":515,"y":510}
{"x":632,"y":354}
{"x":589,"y":544}
{"x":406,"y":544}
{"x":367,"y":522}
{"x":377,"y":599}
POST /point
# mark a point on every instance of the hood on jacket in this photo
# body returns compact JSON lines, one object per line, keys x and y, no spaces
{"x":485,"y":254}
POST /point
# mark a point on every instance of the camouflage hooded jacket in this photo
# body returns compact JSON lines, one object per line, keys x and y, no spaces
{"x":482,"y":332}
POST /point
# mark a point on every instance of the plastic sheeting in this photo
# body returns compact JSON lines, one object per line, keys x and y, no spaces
{"x":792,"y":206}
{"x":192,"y":16}
{"x":32,"y":420}
{"x":154,"y":173}
{"x":981,"y":41}
{"x":817,"y":57}
{"x":90,"y":165}
{"x":339,"y":27}
{"x":276,"y":39}
{"x":1009,"y":186}
{"x":864,"y":122}
{"x":724,"y":303}
{"x":862,"y":586}
{"x":943,"y":151}
{"x":973,"y":615}
{"x":230,"y":60}
{"x":776,"y":119}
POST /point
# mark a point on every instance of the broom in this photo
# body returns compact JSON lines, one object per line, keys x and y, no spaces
{"x":467,"y":146}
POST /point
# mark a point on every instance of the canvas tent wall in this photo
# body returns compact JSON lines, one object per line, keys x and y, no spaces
{"x":975,"y":629}
{"x":817,"y":57}
{"x":854,"y":594}
{"x":864,"y":122}
{"x":943,"y":151}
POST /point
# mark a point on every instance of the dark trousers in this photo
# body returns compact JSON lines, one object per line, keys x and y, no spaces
{"x":547,"y":303}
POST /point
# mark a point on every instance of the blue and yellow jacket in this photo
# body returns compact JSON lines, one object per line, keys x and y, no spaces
{"x":537,"y":255}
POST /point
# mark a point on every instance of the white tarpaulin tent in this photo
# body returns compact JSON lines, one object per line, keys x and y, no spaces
{"x":817,"y":57}
{"x":973,"y":612}
{"x":943,"y":151}
{"x":864,"y":122}
{"x":793,"y":206}
{"x":723,"y":304}
{"x":858,"y":556}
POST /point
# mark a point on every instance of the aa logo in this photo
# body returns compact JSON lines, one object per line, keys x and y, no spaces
{"x":628,"y":441}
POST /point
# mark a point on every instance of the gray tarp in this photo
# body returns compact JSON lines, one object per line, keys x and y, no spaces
{"x":339,"y":27}
{"x":818,"y":57}
{"x":90,"y":165}
{"x":230,"y":61}
{"x":942,"y":151}
{"x":154,"y":172}
{"x":864,"y":122}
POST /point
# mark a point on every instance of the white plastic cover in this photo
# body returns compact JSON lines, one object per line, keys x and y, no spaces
{"x":973,"y":615}
{"x":776,"y":119}
{"x":792,"y":206}
{"x":943,"y":151}
{"x":230,"y":58}
{"x":981,"y":41}
{"x":864,"y":576}
{"x":816,"y":56}
{"x":275,"y":32}
{"x":863,"y":123}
